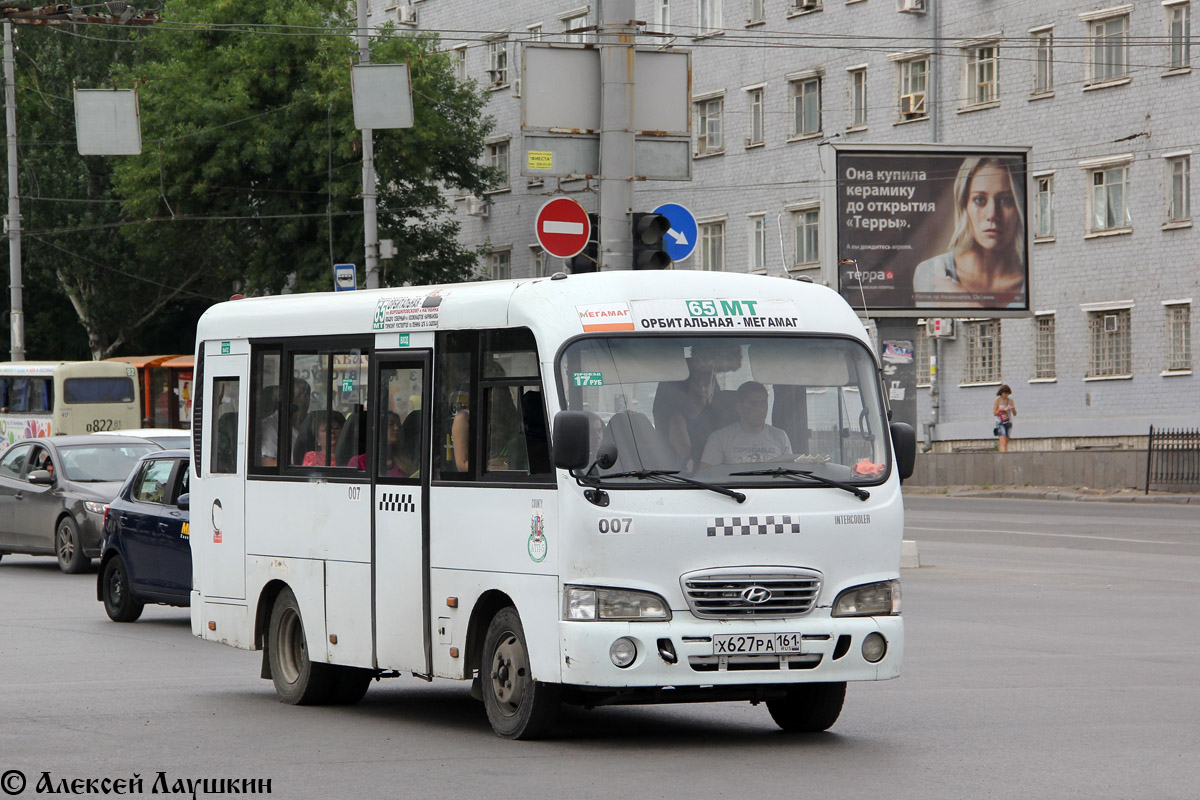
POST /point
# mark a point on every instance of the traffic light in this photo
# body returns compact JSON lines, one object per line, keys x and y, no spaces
{"x":649,"y":251}
{"x":587,"y":260}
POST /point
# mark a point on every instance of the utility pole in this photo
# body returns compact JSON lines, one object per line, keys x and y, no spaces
{"x":370,"y":221}
{"x":616,"y":34}
{"x":12,"y":222}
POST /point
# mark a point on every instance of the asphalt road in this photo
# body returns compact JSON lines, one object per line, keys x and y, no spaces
{"x":1051,"y":653}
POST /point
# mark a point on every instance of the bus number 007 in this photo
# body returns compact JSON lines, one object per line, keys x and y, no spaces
{"x":616,"y":525}
{"x":354,"y":492}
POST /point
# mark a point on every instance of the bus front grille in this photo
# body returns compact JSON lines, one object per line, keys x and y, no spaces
{"x":749,"y":593}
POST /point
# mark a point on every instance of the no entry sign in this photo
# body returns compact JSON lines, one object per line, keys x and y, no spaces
{"x":562,"y":227}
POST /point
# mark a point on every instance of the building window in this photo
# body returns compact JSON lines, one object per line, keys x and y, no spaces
{"x":535,"y":32}
{"x":499,"y":265}
{"x":981,"y":75}
{"x":574,"y":23}
{"x":497,"y":158}
{"x":912,"y":88}
{"x":858,"y":97}
{"x":710,"y":16}
{"x":709,"y":135}
{"x":1179,"y":337}
{"x":983,"y":351}
{"x":498,"y":62}
{"x":806,"y":221}
{"x":1110,"y":49}
{"x":758,"y":12}
{"x":1109,"y":201}
{"x":803,"y":6}
{"x":758,"y":243}
{"x":1043,"y":347}
{"x":1180,"y":203}
{"x":1109,"y":335}
{"x":921,"y":349}
{"x":1179,"y":35}
{"x":662,"y":16}
{"x":712,"y":247}
{"x":537,"y":257}
{"x":460,"y":62}
{"x":1043,"y":62}
{"x":806,"y":107}
{"x":755,"y":135}
{"x":1043,"y":211}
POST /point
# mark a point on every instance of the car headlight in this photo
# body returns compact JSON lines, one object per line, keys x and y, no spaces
{"x":597,"y":602}
{"x":870,"y":600}
{"x":94,"y":507}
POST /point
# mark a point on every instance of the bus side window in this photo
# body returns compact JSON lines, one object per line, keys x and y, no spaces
{"x":264,"y":437}
{"x":223,"y":459}
{"x":452,"y":406}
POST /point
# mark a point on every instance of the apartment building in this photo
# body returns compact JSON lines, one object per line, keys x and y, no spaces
{"x":1103,"y":95}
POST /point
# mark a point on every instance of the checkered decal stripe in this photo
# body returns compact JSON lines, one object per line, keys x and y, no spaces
{"x":731,"y":526}
{"x":390,"y":501}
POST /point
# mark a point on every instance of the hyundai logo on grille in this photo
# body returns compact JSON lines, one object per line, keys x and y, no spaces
{"x":756,"y":594}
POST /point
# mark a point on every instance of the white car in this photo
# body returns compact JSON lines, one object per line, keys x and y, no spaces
{"x":166,"y":438}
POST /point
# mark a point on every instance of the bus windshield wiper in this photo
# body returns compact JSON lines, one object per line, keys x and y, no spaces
{"x":673,"y":476}
{"x":796,"y":474}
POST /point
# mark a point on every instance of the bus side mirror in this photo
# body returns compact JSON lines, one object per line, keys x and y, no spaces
{"x":570,"y":445}
{"x":184,"y":502}
{"x":904,"y":441}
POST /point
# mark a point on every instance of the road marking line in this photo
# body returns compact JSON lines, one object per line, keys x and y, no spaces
{"x":1037,"y":533}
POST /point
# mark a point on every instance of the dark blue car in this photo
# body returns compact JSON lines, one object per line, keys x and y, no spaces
{"x":146,"y":556}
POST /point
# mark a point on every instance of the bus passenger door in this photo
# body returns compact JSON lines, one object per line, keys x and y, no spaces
{"x":400,"y":486}
{"x":218,"y":512}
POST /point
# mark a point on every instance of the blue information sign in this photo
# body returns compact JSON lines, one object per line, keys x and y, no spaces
{"x":680,"y":240}
{"x":345,"y":278}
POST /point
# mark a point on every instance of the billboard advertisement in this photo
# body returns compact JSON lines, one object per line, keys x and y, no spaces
{"x":924,"y":231}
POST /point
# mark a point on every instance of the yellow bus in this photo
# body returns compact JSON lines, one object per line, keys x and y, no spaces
{"x":52,"y":398}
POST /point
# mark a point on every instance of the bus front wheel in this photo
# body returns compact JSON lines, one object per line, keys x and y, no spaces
{"x":298,"y":681}
{"x":808,"y":707}
{"x":518,"y":707}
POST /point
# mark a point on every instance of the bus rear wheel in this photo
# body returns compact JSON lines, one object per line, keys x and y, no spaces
{"x":298,"y":681}
{"x":518,"y":707}
{"x":808,"y":707}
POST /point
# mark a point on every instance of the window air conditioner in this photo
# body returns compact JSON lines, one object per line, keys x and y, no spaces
{"x":940,"y":328}
{"x":1112,"y":323}
{"x":910,"y":6}
{"x":406,"y":15}
{"x":912,"y":105}
{"x":477,"y":207}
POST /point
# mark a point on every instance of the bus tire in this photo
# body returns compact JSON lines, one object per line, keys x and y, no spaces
{"x":350,"y":684}
{"x":808,"y":707}
{"x":518,"y":707}
{"x":68,"y":548}
{"x":119,"y":602}
{"x":298,"y":681}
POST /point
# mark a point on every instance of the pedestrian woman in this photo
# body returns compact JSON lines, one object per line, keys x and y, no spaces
{"x":1004,"y":409}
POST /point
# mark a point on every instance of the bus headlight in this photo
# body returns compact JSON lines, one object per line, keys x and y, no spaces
{"x":601,"y":603}
{"x":870,"y":600}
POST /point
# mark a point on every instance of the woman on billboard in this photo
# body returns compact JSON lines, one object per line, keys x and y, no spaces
{"x":985,"y":265}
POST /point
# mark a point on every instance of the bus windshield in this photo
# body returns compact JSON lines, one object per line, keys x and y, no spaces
{"x":765,"y":410}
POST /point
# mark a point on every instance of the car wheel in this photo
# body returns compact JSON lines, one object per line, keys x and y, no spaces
{"x":68,"y":548}
{"x":298,"y":681}
{"x":808,"y":707}
{"x":118,"y":596}
{"x":518,"y":707}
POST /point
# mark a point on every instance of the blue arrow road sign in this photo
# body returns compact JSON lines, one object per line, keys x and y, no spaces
{"x":680,"y":240}
{"x":345,"y":278}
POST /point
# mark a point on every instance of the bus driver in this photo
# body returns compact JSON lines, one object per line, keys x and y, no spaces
{"x":749,"y":440}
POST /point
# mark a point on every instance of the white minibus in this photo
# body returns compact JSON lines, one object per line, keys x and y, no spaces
{"x":595,"y":489}
{"x":54,"y":398}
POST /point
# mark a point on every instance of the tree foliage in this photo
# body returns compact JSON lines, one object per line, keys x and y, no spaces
{"x":250,"y":174}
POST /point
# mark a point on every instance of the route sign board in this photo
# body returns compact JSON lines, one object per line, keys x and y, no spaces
{"x":562,"y":227}
{"x":680,"y":240}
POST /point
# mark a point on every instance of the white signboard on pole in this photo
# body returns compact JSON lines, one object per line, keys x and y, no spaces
{"x":107,"y":122}
{"x":382,"y":96}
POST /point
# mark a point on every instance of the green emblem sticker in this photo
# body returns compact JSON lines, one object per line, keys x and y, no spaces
{"x":405,"y":340}
{"x":588,"y":378}
{"x":224,"y":348}
{"x":347,"y":384}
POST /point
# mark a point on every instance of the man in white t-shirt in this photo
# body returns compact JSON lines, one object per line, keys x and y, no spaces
{"x":749,"y":440}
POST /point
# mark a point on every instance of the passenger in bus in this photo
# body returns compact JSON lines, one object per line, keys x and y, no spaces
{"x":679,"y":408}
{"x":270,"y":423}
{"x":319,"y":430}
{"x":395,"y":460}
{"x":503,"y":425}
{"x":749,"y":440}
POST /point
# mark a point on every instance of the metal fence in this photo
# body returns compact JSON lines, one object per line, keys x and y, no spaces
{"x":1173,"y":460}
